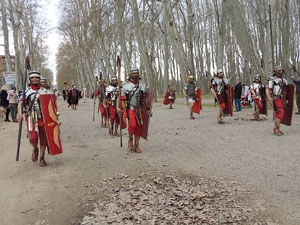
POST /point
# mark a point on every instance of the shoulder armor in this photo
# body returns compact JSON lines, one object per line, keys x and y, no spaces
{"x":143,"y":87}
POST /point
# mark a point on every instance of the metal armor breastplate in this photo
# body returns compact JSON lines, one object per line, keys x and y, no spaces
{"x":278,"y":85}
{"x":31,"y":100}
{"x":220,"y":85}
{"x":191,"y":90}
{"x":134,"y":93}
{"x":112,"y":93}
{"x":257,"y":87}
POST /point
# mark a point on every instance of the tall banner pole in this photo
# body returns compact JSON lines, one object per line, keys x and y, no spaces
{"x":27,"y":67}
{"x":95,"y":99}
{"x":119,"y":97}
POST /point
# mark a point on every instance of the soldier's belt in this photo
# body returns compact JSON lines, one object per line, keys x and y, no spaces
{"x":133,"y":107}
{"x":277,"y":97}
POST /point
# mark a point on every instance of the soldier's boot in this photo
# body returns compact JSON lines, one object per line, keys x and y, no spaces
{"x":130,"y":144}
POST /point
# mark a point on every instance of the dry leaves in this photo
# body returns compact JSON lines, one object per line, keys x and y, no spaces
{"x":169,"y":199}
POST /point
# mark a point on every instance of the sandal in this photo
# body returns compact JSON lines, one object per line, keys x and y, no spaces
{"x":35,"y":155}
{"x":43,"y":162}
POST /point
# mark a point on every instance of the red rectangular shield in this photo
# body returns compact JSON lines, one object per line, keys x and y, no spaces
{"x":288,"y":110}
{"x":51,"y":122}
{"x":264,"y":110}
{"x":147,"y":116}
{"x":197,"y":105}
{"x":228,"y":102}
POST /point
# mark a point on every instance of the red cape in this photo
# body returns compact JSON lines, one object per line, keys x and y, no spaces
{"x":166,"y":98}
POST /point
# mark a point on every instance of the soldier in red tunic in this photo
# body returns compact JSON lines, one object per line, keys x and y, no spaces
{"x":170,"y":97}
{"x":34,"y":117}
{"x":110,"y":102}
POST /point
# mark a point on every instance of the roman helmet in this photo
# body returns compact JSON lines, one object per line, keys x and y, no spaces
{"x":34,"y":74}
{"x":220,"y":73}
{"x":113,"y":80}
{"x":132,"y":73}
{"x":257,"y":77}
{"x":278,"y":71}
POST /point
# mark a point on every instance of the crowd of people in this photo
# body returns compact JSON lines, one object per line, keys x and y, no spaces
{"x":9,"y":101}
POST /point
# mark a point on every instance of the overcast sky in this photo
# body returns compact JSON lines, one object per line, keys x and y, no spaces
{"x":50,"y":10}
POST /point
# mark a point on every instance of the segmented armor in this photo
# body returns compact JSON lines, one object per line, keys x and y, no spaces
{"x":111,"y":94}
{"x":32,"y":106}
{"x":134,"y":94}
{"x":219,"y":85}
{"x":258,"y":88}
{"x":277,"y":84}
{"x":190,"y":89}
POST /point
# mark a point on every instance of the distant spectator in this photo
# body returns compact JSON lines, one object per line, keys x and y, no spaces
{"x":297,"y":83}
{"x":4,"y":102}
{"x":12,"y":98}
{"x":237,"y":95}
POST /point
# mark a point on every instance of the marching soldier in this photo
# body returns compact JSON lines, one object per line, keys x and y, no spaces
{"x":257,"y":90}
{"x":34,"y":117}
{"x":170,"y":97}
{"x":134,"y":97}
{"x":219,"y":86}
{"x":43,"y":82}
{"x":100,"y":92}
{"x":276,"y":94}
{"x":110,"y":103}
{"x":190,"y":93}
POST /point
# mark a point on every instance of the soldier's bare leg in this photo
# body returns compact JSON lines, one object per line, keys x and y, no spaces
{"x":35,"y":153}
{"x":105,"y":121}
{"x":191,"y":111}
{"x":42,"y":156}
{"x":277,"y":130}
{"x":130,"y":142}
{"x":136,"y":144}
{"x":111,"y":129}
{"x":116,"y":130}
{"x":220,"y":120}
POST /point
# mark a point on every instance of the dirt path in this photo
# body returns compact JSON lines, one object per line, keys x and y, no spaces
{"x":62,"y":193}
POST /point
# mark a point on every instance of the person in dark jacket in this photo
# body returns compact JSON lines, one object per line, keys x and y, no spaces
{"x":4,"y":102}
{"x":237,"y":95}
{"x":297,"y":83}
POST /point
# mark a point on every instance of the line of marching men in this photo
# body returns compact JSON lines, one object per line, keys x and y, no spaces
{"x":277,"y":92}
{"x":132,"y":102}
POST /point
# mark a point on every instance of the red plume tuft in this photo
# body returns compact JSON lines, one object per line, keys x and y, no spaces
{"x":118,"y":61}
{"x":27,"y":63}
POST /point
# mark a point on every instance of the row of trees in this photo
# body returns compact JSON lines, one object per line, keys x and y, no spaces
{"x":22,"y":19}
{"x":170,"y":39}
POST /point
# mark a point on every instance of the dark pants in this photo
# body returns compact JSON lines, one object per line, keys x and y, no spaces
{"x":298,"y":101}
{"x":7,"y":114}
{"x":238,"y":105}
{"x":13,"y":110}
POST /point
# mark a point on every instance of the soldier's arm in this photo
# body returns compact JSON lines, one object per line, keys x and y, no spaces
{"x":20,"y":115}
{"x":213,"y":91}
{"x":269,"y":96}
{"x":185,"y":93}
